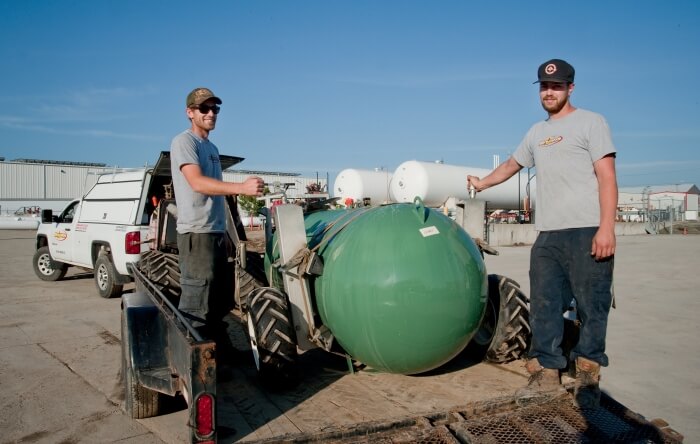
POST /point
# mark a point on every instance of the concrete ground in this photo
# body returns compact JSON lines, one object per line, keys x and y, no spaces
{"x":653,"y":333}
{"x":60,"y":356}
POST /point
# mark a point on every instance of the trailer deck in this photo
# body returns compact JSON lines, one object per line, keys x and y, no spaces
{"x":502,"y":421}
{"x":462,"y":402}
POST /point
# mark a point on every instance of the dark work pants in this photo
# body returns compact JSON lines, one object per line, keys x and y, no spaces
{"x":206,"y":277}
{"x":562,"y":269}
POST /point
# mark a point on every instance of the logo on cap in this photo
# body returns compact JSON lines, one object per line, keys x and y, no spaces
{"x":550,"y":69}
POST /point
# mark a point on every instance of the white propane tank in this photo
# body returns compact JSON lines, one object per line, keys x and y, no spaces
{"x":434,"y":183}
{"x":360,"y":184}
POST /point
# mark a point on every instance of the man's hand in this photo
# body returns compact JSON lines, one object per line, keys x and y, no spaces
{"x":603,"y":244}
{"x":473,"y":181}
{"x":253,"y":186}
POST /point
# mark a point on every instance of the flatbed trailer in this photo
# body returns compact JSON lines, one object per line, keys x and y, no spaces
{"x":462,"y":402}
{"x":335,"y":401}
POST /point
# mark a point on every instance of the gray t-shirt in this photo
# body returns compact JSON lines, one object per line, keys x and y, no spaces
{"x":196,"y":212}
{"x":563,"y":151}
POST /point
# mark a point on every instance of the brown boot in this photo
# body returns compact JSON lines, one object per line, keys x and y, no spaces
{"x":543,"y":382}
{"x":586,"y":388}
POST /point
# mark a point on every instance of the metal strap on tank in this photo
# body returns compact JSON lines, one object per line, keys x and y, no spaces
{"x":327,"y":237}
{"x":303,"y":256}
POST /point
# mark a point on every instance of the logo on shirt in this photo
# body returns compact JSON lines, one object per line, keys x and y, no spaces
{"x":549,"y":141}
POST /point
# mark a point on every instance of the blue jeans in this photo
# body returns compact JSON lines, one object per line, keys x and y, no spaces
{"x":562,"y":269}
{"x":206,"y":277}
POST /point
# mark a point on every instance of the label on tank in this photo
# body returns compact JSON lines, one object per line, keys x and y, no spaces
{"x":429,"y":231}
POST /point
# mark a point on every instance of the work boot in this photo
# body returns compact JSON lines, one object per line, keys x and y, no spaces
{"x":543,"y":382}
{"x":586,"y":389}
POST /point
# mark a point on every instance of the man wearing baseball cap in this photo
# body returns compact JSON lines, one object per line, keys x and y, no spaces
{"x":205,"y":273}
{"x":572,"y":257}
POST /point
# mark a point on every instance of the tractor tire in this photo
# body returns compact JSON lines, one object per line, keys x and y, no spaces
{"x":272,"y":337}
{"x":250,"y":278}
{"x":139,"y":401}
{"x":164,"y":270}
{"x":46,"y":268}
{"x":106,"y":277}
{"x":504,"y":334}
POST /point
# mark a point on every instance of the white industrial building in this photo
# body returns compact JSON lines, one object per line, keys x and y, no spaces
{"x":32,"y":184}
{"x":28,"y":185}
{"x":681,"y":201}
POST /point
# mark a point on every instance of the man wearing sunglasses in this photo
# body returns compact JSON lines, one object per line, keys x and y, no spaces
{"x":205,"y":273}
{"x":573,"y":254}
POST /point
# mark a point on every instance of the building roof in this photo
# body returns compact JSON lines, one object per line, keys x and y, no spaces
{"x":652,"y":189}
{"x":59,"y":162}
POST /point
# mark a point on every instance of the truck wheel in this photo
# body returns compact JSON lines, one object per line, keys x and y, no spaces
{"x":139,"y":401}
{"x":272,"y":337}
{"x":46,"y":268}
{"x":163,"y":269}
{"x":106,"y":277}
{"x":504,"y":333}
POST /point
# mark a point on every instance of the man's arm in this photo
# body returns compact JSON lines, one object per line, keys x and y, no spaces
{"x":604,"y":240}
{"x":253,"y":186}
{"x":503,"y":172}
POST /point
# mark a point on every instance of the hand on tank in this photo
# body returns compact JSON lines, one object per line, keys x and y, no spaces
{"x":473,"y":181}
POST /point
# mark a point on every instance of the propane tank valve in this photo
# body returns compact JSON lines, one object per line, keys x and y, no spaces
{"x":472,"y":191}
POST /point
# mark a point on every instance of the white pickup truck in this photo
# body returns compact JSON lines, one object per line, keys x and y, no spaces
{"x":109,"y":226}
{"x":103,"y":231}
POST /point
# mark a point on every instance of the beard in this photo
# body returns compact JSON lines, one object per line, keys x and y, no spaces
{"x":555,"y":107}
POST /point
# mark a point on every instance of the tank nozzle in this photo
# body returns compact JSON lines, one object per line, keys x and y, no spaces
{"x":472,"y":191}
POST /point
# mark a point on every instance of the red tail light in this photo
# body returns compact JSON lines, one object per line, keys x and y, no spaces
{"x":204,"y":416}
{"x":133,"y":242}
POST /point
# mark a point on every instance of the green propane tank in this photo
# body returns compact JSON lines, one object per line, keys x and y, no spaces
{"x":403,"y":287}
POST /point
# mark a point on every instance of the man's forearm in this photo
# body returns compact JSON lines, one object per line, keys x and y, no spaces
{"x":608,"y":203}
{"x":214,"y":187}
{"x":607,"y":191}
{"x":503,"y":172}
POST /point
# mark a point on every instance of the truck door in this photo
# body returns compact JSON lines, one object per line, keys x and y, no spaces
{"x":62,"y":239}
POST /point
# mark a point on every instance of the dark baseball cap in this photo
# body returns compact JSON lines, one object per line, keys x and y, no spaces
{"x":199,"y":96}
{"x":555,"y":70}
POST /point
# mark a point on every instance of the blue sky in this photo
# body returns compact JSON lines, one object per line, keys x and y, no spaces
{"x":320,"y":86}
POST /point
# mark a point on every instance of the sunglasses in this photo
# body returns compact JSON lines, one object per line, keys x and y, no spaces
{"x":204,"y":109}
